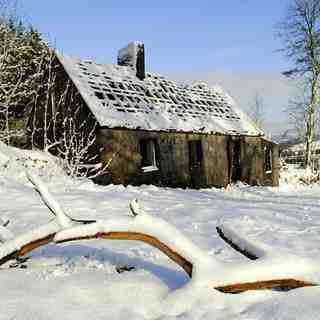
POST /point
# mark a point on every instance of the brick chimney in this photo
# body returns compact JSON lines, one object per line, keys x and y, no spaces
{"x":133,"y":55}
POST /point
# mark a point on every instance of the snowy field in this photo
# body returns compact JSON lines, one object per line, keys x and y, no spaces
{"x":79,"y":280}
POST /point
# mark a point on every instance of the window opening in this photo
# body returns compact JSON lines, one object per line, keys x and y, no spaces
{"x":148,"y":154}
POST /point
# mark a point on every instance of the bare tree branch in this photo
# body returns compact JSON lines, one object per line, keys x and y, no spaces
{"x":300,"y":32}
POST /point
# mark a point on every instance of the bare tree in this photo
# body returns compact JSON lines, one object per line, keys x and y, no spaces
{"x":297,"y":110}
{"x":300,"y":32}
{"x":60,"y":124}
{"x":257,"y":110}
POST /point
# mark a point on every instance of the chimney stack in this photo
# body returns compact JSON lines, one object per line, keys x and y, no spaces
{"x":133,"y":55}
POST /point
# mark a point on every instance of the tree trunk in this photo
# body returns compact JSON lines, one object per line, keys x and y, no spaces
{"x":311,"y":122}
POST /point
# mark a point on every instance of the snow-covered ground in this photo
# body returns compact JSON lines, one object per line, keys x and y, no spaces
{"x":79,"y":280}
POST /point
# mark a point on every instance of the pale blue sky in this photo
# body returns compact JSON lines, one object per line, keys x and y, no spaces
{"x":202,"y":35}
{"x":231,"y":42}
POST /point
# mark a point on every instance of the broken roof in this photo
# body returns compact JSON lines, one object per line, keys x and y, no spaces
{"x":118,"y":99}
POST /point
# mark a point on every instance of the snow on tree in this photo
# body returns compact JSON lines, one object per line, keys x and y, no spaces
{"x":22,"y":59}
{"x":59,"y":124}
{"x":257,"y":112}
{"x":300,"y":32}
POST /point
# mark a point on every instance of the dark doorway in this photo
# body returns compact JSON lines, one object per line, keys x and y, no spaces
{"x":235,"y":159}
{"x":195,"y":153}
{"x":195,"y":163}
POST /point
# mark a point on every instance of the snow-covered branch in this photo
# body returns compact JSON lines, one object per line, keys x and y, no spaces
{"x":239,"y":243}
{"x":62,"y":218}
{"x":30,"y":240}
{"x":142,"y":227}
{"x":268,"y":271}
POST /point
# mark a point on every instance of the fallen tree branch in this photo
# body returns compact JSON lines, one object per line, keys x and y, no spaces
{"x":72,"y":234}
{"x":239,"y":244}
{"x":49,"y":201}
{"x":14,"y":247}
{"x":165,"y":237}
{"x":158,"y":233}
{"x":154,"y":242}
{"x":33,"y":239}
{"x":281,"y":284}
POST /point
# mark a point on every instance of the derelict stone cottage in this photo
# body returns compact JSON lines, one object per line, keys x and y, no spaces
{"x":152,"y":130}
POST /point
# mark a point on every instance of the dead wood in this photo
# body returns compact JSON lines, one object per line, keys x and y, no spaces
{"x":35,"y":244}
{"x":174,"y":256}
{"x":11,"y":256}
{"x":233,"y":245}
{"x":66,"y":222}
{"x":284,"y":284}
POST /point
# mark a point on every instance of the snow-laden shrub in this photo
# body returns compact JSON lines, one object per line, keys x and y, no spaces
{"x":293,"y":175}
{"x":14,"y":161}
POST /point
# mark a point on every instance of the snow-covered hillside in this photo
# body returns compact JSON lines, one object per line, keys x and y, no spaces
{"x":79,"y":280}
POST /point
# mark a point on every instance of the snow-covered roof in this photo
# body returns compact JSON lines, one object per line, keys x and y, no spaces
{"x":118,"y":98}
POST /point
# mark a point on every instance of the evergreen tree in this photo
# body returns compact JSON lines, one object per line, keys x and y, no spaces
{"x":23,"y":56}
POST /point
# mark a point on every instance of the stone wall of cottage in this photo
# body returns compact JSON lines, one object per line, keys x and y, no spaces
{"x":219,"y":165}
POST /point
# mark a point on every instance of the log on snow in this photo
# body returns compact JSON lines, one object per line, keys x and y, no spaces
{"x":281,"y":284}
{"x":154,"y":242}
{"x":284,"y":284}
{"x":36,"y":244}
{"x":65,"y":221}
{"x":239,"y":247}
